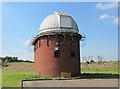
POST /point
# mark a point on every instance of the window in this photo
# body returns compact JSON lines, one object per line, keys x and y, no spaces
{"x":47,"y":42}
{"x":72,"y":54}
{"x":56,"y":48}
{"x":71,"y":44}
{"x":56,"y":53}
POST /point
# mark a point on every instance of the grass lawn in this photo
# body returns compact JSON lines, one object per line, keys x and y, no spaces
{"x":10,"y":79}
{"x":15,"y":72}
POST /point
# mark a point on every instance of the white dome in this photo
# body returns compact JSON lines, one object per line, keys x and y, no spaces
{"x":58,"y":22}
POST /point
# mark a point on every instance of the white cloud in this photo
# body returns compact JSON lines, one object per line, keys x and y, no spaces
{"x":29,"y":57}
{"x":116,"y":20}
{"x":107,"y":6}
{"x":105,"y":16}
{"x":27,"y":42}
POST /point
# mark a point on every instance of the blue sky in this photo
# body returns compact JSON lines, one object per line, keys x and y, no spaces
{"x":98,"y":21}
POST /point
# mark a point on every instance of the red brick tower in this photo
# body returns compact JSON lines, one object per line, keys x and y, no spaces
{"x":56,"y":47}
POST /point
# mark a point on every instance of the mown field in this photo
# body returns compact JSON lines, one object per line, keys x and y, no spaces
{"x":15,"y":72}
{"x":106,"y":68}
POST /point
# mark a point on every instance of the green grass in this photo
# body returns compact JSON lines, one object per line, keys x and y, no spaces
{"x":33,"y":76}
{"x":15,"y":72}
{"x":10,"y":79}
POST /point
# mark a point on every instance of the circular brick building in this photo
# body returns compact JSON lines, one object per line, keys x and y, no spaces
{"x":57,"y":47}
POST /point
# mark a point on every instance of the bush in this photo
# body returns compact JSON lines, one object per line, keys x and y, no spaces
{"x":4,"y":63}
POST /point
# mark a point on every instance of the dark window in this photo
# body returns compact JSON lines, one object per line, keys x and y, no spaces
{"x":47,"y":42}
{"x":56,"y":53}
{"x":71,"y":44}
{"x":72,"y":54}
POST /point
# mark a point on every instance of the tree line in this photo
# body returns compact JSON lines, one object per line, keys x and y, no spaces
{"x":90,"y":59}
{"x":10,"y":59}
{"x":5,"y":60}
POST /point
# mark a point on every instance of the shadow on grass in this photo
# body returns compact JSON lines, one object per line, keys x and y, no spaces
{"x":99,"y":75}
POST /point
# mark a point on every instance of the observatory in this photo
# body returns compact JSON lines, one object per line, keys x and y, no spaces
{"x":56,"y":47}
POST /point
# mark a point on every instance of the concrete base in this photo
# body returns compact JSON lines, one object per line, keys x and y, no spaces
{"x":72,"y":83}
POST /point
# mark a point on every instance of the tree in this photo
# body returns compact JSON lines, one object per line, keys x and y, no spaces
{"x":84,"y":59}
{"x":14,"y":59}
{"x":90,"y":58}
{"x":4,"y":64}
{"x":8,"y":58}
{"x":100,"y":58}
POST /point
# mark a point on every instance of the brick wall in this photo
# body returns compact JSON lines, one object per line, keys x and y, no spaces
{"x":47,"y":65}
